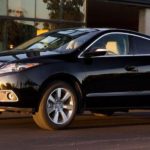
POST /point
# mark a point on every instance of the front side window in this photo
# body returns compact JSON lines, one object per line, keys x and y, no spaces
{"x":114,"y":44}
{"x":140,"y":45}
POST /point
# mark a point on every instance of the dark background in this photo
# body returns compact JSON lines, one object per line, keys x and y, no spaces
{"x":114,"y":15}
{"x":141,"y":2}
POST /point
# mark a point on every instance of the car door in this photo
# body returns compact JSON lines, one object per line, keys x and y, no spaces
{"x":141,"y":49}
{"x":111,"y":78}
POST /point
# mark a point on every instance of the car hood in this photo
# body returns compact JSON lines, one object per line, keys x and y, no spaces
{"x":16,"y":55}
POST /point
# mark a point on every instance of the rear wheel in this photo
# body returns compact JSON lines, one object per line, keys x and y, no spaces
{"x":58,"y":106}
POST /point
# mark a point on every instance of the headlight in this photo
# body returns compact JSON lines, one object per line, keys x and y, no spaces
{"x":16,"y":67}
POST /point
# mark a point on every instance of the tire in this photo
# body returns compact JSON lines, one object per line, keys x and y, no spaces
{"x":57,"y":107}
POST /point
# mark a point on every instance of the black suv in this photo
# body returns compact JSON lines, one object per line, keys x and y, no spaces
{"x":65,"y":72}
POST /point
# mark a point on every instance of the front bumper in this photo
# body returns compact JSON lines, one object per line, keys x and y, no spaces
{"x":24,"y":91}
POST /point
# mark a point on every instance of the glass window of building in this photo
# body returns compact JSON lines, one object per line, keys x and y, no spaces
{"x":23,"y":19}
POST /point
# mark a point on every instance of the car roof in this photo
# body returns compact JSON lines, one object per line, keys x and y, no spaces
{"x":122,"y":30}
{"x":111,"y":30}
{"x":102,"y":30}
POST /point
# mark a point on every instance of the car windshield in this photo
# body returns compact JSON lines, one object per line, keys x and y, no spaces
{"x":63,"y":41}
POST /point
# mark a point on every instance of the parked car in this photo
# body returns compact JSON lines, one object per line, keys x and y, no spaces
{"x":62,"y":73}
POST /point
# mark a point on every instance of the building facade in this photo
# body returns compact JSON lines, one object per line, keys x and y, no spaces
{"x":128,"y":14}
{"x":20,"y":20}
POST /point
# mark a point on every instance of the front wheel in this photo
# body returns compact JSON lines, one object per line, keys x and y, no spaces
{"x":58,"y":106}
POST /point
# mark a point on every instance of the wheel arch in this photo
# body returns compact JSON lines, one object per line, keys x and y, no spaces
{"x":71,"y":80}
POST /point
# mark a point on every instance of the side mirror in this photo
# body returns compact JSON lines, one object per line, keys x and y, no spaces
{"x":96,"y":52}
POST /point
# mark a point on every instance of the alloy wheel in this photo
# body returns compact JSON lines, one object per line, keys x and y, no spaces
{"x":60,"y":105}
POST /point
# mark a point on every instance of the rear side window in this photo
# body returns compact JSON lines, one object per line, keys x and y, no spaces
{"x":140,"y":45}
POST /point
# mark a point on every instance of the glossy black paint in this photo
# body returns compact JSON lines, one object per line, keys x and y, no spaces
{"x":104,"y":82}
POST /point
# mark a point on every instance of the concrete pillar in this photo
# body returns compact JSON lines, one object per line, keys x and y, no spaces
{"x":144,"y":21}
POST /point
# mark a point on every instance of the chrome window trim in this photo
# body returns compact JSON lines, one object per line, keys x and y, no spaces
{"x":106,"y":56}
{"x":131,"y":34}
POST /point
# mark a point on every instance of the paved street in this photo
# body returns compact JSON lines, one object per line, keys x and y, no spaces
{"x":119,"y":132}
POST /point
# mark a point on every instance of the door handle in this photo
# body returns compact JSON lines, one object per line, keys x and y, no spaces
{"x":131,"y":68}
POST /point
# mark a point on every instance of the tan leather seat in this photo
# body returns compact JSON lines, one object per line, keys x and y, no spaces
{"x":113,"y":47}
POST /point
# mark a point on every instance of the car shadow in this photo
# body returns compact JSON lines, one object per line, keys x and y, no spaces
{"x":118,"y":119}
{"x":80,"y":122}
